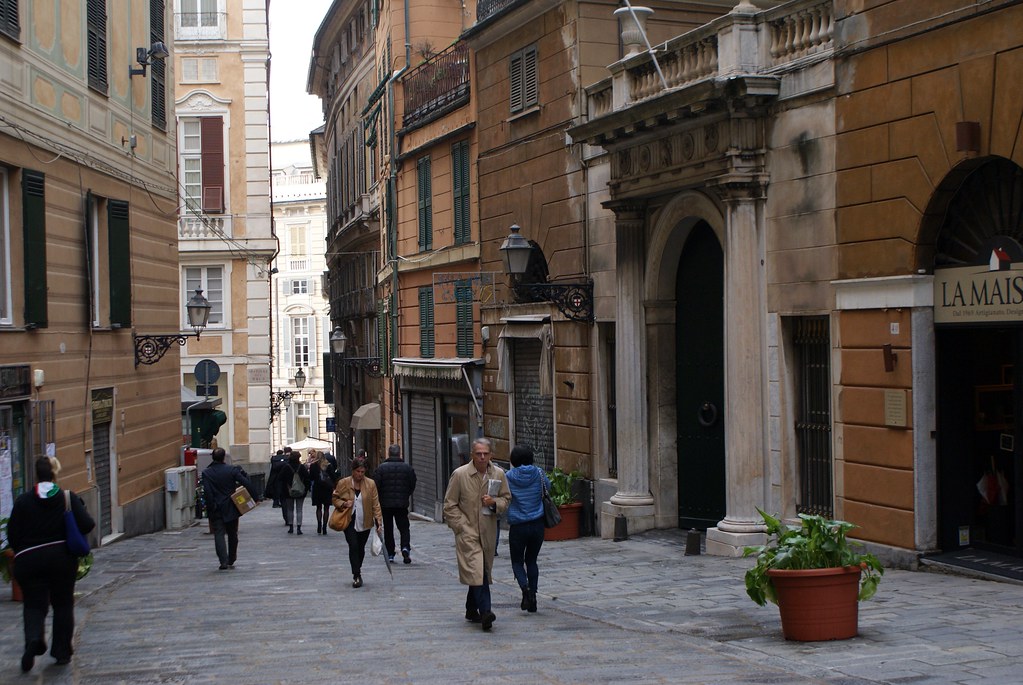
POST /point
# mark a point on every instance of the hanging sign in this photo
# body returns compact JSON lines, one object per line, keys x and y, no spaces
{"x":990,"y":293}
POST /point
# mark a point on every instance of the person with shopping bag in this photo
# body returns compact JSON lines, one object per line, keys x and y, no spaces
{"x":358,"y":495}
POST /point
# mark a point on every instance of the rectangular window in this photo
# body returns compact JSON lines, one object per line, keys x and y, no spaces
{"x":5,"y":251}
{"x":109,"y":250}
{"x":463,"y":319}
{"x":96,"y":21}
{"x":33,"y":215}
{"x":300,"y":286}
{"x":202,"y":164}
{"x":426,"y":338}
{"x":298,"y":233}
{"x":119,"y":257}
{"x":158,"y":67}
{"x":200,"y":20}
{"x":424,"y":194}
{"x":460,"y":190}
{"x":524,"y":81}
{"x":811,"y":341}
{"x":211,"y":280}
{"x":9,"y":24}
{"x":301,"y":341}
{"x":199,"y":70}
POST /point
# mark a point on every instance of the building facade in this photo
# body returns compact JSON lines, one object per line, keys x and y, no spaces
{"x":88,"y":259}
{"x":226,"y":242}
{"x":301,"y":325}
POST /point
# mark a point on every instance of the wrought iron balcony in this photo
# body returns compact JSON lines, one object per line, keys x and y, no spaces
{"x":436,"y":86}
{"x":487,"y":8}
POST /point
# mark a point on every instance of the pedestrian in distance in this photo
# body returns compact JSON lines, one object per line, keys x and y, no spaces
{"x":358,"y":493}
{"x":295,"y":484}
{"x":396,"y":482}
{"x":45,"y":568}
{"x":219,"y":481}
{"x":477,"y":494}
{"x":272,"y":489}
{"x":525,"y":521}
{"x":324,"y":478}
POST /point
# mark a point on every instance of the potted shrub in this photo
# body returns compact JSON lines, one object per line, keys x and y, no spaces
{"x":569,"y":507}
{"x":815,"y":575}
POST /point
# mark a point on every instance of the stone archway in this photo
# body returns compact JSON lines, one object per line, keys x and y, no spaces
{"x":668,"y":230}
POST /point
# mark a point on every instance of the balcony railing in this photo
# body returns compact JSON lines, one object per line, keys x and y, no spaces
{"x":438,"y":85}
{"x":487,"y":8}
{"x":781,"y":40}
{"x":204,"y":226}
{"x":200,"y":25}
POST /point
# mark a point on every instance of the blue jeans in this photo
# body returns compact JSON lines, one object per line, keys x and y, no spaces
{"x":477,"y":597}
{"x":524,"y":542}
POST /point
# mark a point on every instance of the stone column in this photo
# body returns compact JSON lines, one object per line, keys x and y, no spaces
{"x":633,"y":498}
{"x":745,"y":378}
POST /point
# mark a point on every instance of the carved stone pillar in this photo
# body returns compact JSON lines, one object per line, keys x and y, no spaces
{"x":745,"y":416}
{"x":633,"y":497}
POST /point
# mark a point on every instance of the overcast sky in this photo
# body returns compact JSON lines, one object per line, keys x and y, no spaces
{"x":293,"y":113}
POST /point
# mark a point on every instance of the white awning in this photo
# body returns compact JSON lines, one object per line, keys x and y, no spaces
{"x":443,"y":369}
{"x":366,"y":417}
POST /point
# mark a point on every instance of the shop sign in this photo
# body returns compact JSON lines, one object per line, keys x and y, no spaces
{"x":102,"y":406}
{"x":979,"y":294}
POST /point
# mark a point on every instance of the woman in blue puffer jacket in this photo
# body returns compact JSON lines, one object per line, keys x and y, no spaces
{"x":525,"y":521}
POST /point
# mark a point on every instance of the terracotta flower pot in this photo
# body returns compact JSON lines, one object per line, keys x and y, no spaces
{"x":568,"y":529}
{"x":818,"y":604}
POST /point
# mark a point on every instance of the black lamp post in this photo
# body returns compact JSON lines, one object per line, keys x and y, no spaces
{"x":150,"y":349}
{"x":524,"y":262}
{"x":339,"y":344}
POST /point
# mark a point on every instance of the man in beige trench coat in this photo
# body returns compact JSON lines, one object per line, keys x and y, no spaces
{"x":471,"y":511}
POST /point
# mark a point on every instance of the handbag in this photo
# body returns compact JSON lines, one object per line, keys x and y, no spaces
{"x":376,"y":545}
{"x":76,"y":542}
{"x":340,"y":518}
{"x":551,"y":515}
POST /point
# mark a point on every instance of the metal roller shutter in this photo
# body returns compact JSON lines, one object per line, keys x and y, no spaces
{"x":423,"y":453}
{"x":534,"y":414}
{"x":101,"y":462}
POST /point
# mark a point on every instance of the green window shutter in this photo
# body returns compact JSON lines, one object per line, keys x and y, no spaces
{"x":426,"y":337}
{"x":158,"y":67}
{"x":96,"y":27}
{"x":119,"y":240}
{"x":91,"y":267}
{"x":328,"y":379}
{"x":425,"y":202}
{"x":33,"y":203}
{"x":9,"y":19}
{"x":530,"y":80}
{"x":381,"y":323}
{"x":463,"y":317}
{"x":460,"y":190}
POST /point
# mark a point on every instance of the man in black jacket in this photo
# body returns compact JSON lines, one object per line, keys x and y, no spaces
{"x":219,"y":481}
{"x":396,"y":481}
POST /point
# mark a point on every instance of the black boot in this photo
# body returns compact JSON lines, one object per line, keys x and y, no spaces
{"x":525,"y":600}
{"x":299,"y":531}
{"x":291,"y":529}
{"x":532,"y":602}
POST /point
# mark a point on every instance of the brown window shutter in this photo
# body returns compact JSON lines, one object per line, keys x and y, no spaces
{"x":212,"y":130}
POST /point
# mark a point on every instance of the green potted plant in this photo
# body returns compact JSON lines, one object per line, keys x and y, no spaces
{"x":566,"y":502}
{"x":815,"y":575}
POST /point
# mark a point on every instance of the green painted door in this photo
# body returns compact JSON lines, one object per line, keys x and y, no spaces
{"x":700,"y":355}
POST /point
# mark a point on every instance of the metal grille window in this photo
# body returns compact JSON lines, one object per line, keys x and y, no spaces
{"x":424,"y":193}
{"x":812,"y":344}
{"x":96,"y":24}
{"x":426,"y":339}
{"x":460,"y":190}
{"x":9,"y":25}
{"x":524,"y":83}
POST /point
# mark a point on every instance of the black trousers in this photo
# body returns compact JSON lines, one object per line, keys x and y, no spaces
{"x":227,"y":550}
{"x":397,"y":515}
{"x":356,"y":546}
{"x":47,"y":577}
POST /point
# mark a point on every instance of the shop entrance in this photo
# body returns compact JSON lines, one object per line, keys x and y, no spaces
{"x":978,"y":412}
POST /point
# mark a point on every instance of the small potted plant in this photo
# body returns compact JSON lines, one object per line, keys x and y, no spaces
{"x":567,"y":503}
{"x":815,"y":575}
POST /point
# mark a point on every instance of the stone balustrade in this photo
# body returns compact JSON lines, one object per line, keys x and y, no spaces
{"x":204,"y":226}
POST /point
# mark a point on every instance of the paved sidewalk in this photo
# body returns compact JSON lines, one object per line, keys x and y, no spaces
{"x":156,"y":609}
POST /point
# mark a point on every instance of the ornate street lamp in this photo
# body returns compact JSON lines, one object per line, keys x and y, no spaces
{"x":525,"y":263}
{"x":150,"y":349}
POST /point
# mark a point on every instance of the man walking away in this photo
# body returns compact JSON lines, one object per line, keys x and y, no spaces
{"x":477,"y":494}
{"x":272,"y":489}
{"x":219,"y":481}
{"x":396,"y":481}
